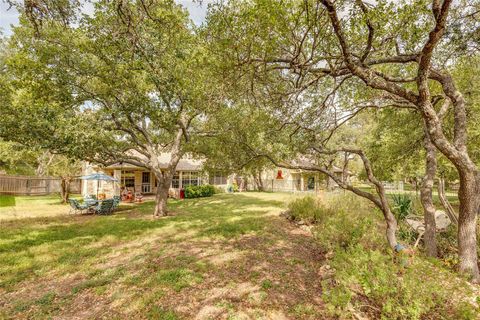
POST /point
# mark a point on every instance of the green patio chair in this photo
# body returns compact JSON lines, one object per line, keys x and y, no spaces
{"x":104,"y":207}
{"x":116,"y":202}
{"x":76,"y":207}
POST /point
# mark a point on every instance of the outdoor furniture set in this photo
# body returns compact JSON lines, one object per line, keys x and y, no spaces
{"x":92,"y":205}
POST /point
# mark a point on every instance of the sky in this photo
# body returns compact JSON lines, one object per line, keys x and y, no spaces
{"x":9,"y":17}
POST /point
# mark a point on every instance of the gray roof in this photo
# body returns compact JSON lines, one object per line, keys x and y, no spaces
{"x":187,"y":163}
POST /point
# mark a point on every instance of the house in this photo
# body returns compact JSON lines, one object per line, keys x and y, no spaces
{"x":140,"y":180}
{"x":294,"y":180}
{"x":189,"y":171}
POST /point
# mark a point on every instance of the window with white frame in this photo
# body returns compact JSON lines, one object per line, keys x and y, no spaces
{"x":176,"y":181}
{"x":190,"y":178}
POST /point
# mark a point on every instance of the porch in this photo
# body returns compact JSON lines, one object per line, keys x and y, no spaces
{"x":139,"y":181}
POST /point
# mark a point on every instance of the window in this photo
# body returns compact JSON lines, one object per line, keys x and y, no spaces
{"x":176,"y":181}
{"x":128,"y":179}
{"x":218,"y":178}
{"x":190,"y":178}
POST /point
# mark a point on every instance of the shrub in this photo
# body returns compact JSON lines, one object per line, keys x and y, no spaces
{"x":402,"y":205}
{"x":309,"y":210}
{"x":199,"y":191}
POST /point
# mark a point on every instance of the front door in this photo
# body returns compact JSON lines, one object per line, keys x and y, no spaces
{"x":146,"y":182}
{"x":311,"y":183}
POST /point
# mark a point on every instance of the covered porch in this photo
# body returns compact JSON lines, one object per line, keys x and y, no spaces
{"x":138,"y":181}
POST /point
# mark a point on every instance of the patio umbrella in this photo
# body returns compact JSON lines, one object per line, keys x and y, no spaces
{"x":99,"y":177}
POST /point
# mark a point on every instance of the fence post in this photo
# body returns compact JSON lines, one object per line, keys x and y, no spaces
{"x":28,"y":187}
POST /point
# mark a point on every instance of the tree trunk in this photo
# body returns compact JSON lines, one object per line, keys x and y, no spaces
{"x":390,"y":220}
{"x":427,"y":199}
{"x":467,"y":223}
{"x":161,"y":198}
{"x":65,"y":189}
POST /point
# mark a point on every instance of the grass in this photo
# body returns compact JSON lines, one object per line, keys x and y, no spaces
{"x":7,"y":201}
{"x":13,"y":207}
{"x":222,"y":256}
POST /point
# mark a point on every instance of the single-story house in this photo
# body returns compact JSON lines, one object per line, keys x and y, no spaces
{"x":189,"y":171}
{"x":140,"y":180}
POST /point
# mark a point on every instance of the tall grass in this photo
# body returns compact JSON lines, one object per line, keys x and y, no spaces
{"x":367,"y":280}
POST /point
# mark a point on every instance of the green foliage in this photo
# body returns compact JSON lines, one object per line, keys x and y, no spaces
{"x":340,"y":221}
{"x":367,"y":273}
{"x":309,"y":210}
{"x":402,"y":205}
{"x":206,"y":190}
{"x":370,"y":277}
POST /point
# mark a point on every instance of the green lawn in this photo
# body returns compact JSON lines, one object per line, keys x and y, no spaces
{"x":230,"y":256}
{"x":14,"y":207}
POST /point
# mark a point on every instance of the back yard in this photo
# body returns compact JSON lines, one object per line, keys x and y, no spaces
{"x":228,"y":257}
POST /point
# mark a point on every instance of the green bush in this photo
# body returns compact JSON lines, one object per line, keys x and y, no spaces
{"x":199,"y":191}
{"x":309,"y":210}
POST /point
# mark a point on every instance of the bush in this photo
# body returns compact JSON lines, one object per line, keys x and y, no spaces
{"x":199,"y":191}
{"x":308,"y":210}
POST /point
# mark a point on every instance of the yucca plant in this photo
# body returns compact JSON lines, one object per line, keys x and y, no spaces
{"x":402,"y":205}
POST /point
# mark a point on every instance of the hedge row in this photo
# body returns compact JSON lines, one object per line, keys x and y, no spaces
{"x":199,"y":191}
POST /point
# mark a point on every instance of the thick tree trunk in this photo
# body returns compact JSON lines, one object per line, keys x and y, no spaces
{"x":259,"y":181}
{"x":467,"y":223}
{"x":161,"y":198}
{"x":427,"y":199}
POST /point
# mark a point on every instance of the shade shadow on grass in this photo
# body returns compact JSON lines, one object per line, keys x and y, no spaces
{"x":7,"y":200}
{"x":70,"y":241}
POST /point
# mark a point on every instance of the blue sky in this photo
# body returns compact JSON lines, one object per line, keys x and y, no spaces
{"x":9,"y":17}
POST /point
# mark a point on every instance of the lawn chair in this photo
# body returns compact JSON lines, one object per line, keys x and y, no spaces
{"x":76,"y":207}
{"x":116,"y":202}
{"x":417,"y":223}
{"x":104,"y":207}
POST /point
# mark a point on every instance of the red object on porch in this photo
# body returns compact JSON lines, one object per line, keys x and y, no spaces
{"x":279,"y":174}
{"x":182,"y":193}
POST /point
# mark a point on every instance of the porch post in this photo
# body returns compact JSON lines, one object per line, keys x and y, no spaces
{"x":180,"y":173}
{"x":302,"y":182}
{"x":117,"y":174}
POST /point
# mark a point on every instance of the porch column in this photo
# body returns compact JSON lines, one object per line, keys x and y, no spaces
{"x":302,"y":182}
{"x":180,"y":174}
{"x":117,"y":174}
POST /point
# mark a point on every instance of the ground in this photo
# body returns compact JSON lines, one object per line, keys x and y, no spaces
{"x":226,"y":257}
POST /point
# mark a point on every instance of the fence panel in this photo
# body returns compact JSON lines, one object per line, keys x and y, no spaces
{"x":29,"y":185}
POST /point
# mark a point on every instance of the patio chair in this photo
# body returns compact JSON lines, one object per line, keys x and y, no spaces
{"x":417,"y":223}
{"x":104,"y":207}
{"x":76,"y":207}
{"x":116,"y":202}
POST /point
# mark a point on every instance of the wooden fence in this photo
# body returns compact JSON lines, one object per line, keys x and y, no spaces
{"x":28,"y":185}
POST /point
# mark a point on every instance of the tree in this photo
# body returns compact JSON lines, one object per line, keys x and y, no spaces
{"x":131,"y":70}
{"x":399,"y":53}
